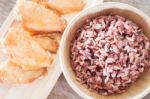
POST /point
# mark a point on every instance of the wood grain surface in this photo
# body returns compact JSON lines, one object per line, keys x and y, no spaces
{"x":62,"y":90}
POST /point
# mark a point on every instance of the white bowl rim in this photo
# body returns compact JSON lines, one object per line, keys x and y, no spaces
{"x":71,"y":23}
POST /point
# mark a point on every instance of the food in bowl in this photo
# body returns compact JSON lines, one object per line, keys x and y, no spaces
{"x":109,"y":53}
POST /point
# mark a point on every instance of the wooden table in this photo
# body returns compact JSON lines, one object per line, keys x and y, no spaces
{"x":62,"y":90}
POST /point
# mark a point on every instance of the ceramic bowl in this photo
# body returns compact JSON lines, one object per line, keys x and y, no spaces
{"x":138,"y":89}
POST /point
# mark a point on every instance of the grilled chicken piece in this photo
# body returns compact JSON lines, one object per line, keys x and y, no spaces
{"x":56,"y":36}
{"x":66,"y":6}
{"x":24,"y":50}
{"x":38,"y":19}
{"x":11,"y":73}
{"x":47,"y":43}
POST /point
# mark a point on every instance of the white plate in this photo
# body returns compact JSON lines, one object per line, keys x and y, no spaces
{"x":40,"y":88}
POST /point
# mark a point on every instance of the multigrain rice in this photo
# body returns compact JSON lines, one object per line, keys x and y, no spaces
{"x":109,"y":53}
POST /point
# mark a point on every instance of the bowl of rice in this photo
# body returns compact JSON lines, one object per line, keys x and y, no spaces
{"x":105,"y":52}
